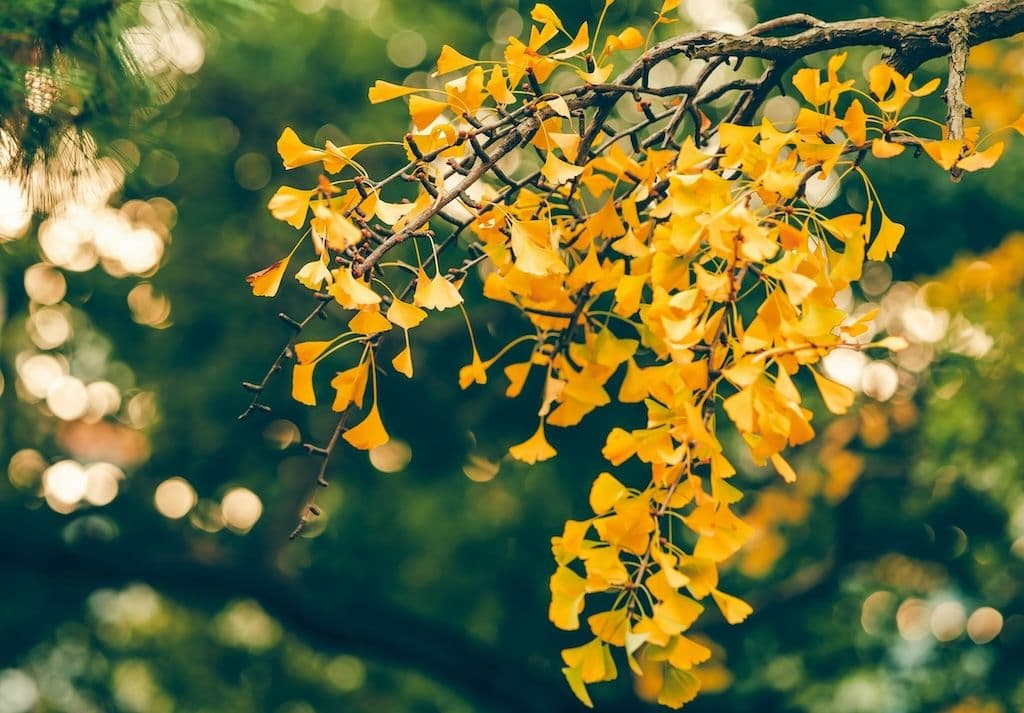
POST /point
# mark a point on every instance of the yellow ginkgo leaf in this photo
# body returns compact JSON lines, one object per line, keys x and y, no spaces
{"x":982,"y":159}
{"x":593,"y":660}
{"x":337,"y":157}
{"x":576,"y":685}
{"x":837,"y":398}
{"x":293,"y":152}
{"x":391,"y":213}
{"x":474,"y":372}
{"x":678,"y":687}
{"x":567,"y":594}
{"x":887,"y":240}
{"x":405,"y":315}
{"x":628,"y":39}
{"x":535,"y":448}
{"x":605,"y":492}
{"x":784,"y":468}
{"x":403,"y":361}
{"x":577,"y":46}
{"x":369,"y":433}
{"x":435,"y":292}
{"x":517,"y":375}
{"x":733,"y":608}
{"x":369,"y":321}
{"x":350,"y":386}
{"x":945,"y":153}
{"x":687,"y":653}
{"x":309,"y":352}
{"x":314,"y":274}
{"x":452,"y":60}
{"x":290,"y":205}
{"x":423,"y":110}
{"x":880,"y":148}
{"x":334,"y":229}
{"x":556,"y":171}
{"x":532,"y":255}
{"x":267,"y":281}
{"x":351,"y":293}
{"x":610,"y":626}
{"x":302,"y":384}
{"x":497,"y":87}
{"x":382,"y":91}
{"x":543,"y":13}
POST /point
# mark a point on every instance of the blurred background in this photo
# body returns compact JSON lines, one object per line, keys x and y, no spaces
{"x":144,"y":560}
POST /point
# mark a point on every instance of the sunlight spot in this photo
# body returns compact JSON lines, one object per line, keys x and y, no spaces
{"x":174,"y":498}
{"x":241,"y":508}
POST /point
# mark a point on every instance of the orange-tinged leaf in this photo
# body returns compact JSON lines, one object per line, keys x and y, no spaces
{"x":309,"y":352}
{"x":808,"y":81}
{"x":475,"y":372}
{"x":351,"y":293}
{"x":293,"y":152}
{"x":337,"y":157}
{"x":628,"y":39}
{"x":535,"y":448}
{"x":733,"y":608}
{"x":369,"y":321}
{"x":497,"y":87}
{"x":403,"y":361}
{"x":784,"y":468}
{"x":880,"y":148}
{"x":382,"y":91}
{"x":333,"y":228}
{"x":302,"y":384}
{"x":451,"y":60}
{"x":880,"y":78}
{"x":369,"y":433}
{"x":556,"y":171}
{"x":405,"y":315}
{"x":290,"y":205}
{"x":531,"y":255}
{"x":945,"y":153}
{"x":423,"y":110}
{"x":516,"y":375}
{"x":926,"y":88}
{"x":888,"y":238}
{"x":543,"y":13}
{"x":837,"y":397}
{"x":267,"y":281}
{"x":350,"y":386}
{"x":855,"y":123}
{"x":981,"y":159}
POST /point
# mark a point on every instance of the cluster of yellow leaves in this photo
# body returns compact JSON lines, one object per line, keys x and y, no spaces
{"x":695,"y":282}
